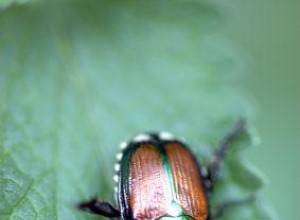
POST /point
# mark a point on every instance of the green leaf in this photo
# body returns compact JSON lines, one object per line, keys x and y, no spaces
{"x":257,"y":210}
{"x":244,"y":174}
{"x":77,"y":78}
{"x":7,"y":3}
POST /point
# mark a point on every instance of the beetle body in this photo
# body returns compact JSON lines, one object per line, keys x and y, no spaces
{"x":159,"y":178}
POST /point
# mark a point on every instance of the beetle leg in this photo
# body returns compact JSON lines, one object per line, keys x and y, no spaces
{"x":223,"y":208}
{"x":101,"y":208}
{"x":220,"y":153}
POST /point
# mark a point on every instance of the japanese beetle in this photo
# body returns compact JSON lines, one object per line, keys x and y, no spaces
{"x":158,"y":178}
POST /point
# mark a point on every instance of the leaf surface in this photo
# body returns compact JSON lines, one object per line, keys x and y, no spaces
{"x":77,"y":78}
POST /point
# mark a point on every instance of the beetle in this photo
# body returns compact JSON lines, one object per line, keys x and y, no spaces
{"x":159,"y":178}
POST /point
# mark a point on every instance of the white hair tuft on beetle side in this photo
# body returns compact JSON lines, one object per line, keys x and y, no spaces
{"x":123,"y":145}
{"x":142,"y":137}
{"x":117,"y":167}
{"x":116,"y":178}
{"x":119,"y":156}
{"x":166,"y":136}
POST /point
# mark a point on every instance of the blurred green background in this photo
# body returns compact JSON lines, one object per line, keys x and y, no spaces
{"x":268,"y":34}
